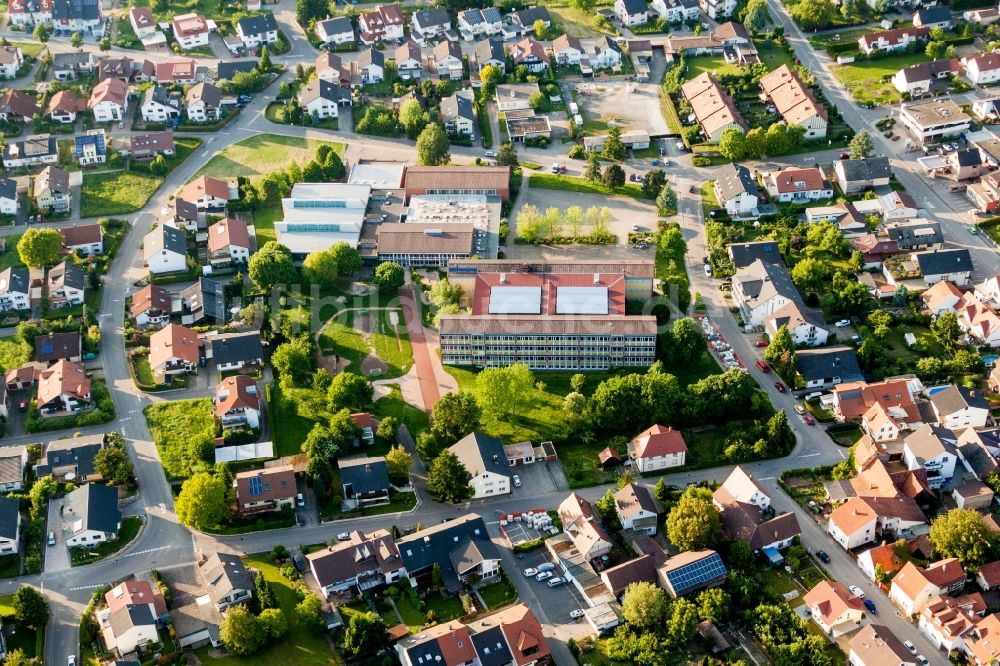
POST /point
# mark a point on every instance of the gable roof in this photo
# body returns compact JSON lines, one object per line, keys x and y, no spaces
{"x":236,"y":392}
{"x":912,"y":580}
{"x":55,"y":346}
{"x":435,"y":544}
{"x":732,"y":180}
{"x":489,"y":49}
{"x":76,"y":451}
{"x":364,"y":474}
{"x":173,"y":341}
{"x":832,"y":599}
{"x":816,"y":364}
{"x":205,"y":186}
{"x":236,"y":347}
{"x":270,"y":484}
{"x":223,"y":573}
{"x":479,"y":453}
{"x":657,"y":440}
{"x":869,"y":168}
{"x":150,"y":297}
{"x":633,"y":498}
{"x":204,"y":92}
{"x":164,"y":238}
{"x":361,"y":553}
{"x":96,"y":506}
{"x":258,"y":24}
{"x":941,"y":262}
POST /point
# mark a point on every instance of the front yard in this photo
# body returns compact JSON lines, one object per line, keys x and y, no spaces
{"x":126,"y":533}
{"x":868,"y":81}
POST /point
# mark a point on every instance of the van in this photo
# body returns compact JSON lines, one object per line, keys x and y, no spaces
{"x":763,"y":366}
{"x":555,"y":167}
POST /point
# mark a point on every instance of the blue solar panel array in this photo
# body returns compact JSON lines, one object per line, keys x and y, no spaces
{"x":256,"y":486}
{"x":697,"y":573}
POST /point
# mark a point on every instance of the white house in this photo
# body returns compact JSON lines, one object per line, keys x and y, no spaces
{"x":457,"y":114}
{"x":371,"y":65}
{"x":959,"y":407}
{"x":761,"y":289}
{"x":8,"y":196}
{"x":203,"y":102}
{"x":109,"y":100}
{"x":474,"y":23}
{"x":158,"y":106}
{"x":636,"y":509}
{"x":164,"y":250}
{"x":429,"y":23}
{"x":947,"y":620}
{"x":798,"y":184}
{"x":208,"y":194}
{"x":256,"y":30}
{"x":483,"y":456}
{"x":937,"y":265}
{"x":676,"y":11}
{"x":337,"y":30}
{"x":361,"y":558}
{"x":632,"y":12}
{"x":14,"y":289}
{"x":941,"y":298}
{"x":982,"y":69}
{"x":913,"y":587}
{"x":236,"y":403}
{"x":151,"y":306}
{"x":657,"y":448}
{"x":932,"y":448}
{"x":143,"y":22}
{"x":91,"y":515}
{"x":876,"y":645}
{"x":174,"y":350}
{"x":736,"y":190}
{"x":933,"y":120}
{"x":806,"y":326}
{"x":567,"y":50}
{"x":854,"y":522}
{"x":409,"y":59}
{"x":581,"y":524}
{"x":85,"y":239}
{"x":323,"y":99}
{"x":834,"y":608}
{"x":448,"y":60}
{"x":11,"y":60}
{"x":190,"y":31}
{"x":606,"y":54}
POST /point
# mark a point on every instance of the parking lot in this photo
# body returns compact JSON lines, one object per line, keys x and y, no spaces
{"x":538,"y":478}
{"x":557,"y":602}
{"x":626,"y":104}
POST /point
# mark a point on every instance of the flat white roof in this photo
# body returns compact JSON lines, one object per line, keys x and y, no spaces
{"x":331,"y":191}
{"x":301,"y":240}
{"x":379,"y":175}
{"x":516,"y":300}
{"x":582,"y":301}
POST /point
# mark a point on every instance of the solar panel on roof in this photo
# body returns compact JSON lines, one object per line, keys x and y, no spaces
{"x":47,"y":348}
{"x":256,"y":486}
{"x":696,"y":574}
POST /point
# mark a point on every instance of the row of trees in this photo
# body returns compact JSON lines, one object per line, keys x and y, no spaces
{"x":325,"y":166}
{"x":778,"y":139}
{"x":534,"y":226}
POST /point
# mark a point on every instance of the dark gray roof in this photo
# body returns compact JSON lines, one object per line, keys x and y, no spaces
{"x":481,"y":453}
{"x":157,"y":93}
{"x":733,"y":180}
{"x":85,"y":10}
{"x":230,"y":68}
{"x":224,"y":572}
{"x":132,"y":615}
{"x":67,"y":274}
{"x":237,"y":347}
{"x":492,"y":647}
{"x":55,"y":346}
{"x":206,"y":92}
{"x":941,"y":262}
{"x":186,"y":210}
{"x":828,"y":363}
{"x":426,"y":18}
{"x":869,"y":168}
{"x":72,"y":60}
{"x":8,"y":188}
{"x":527,"y":17}
{"x":77,"y":451}
{"x":338,"y":25}
{"x":489,"y":49}
{"x":426,"y":652}
{"x":206,"y":298}
{"x":968,"y":157}
{"x":926,"y":71}
{"x":96,"y":506}
{"x":909,"y":235}
{"x":954,"y":398}
{"x":323,"y":89}
{"x":9,"y":512}
{"x":744,"y":254}
{"x":14,"y":280}
{"x":434,"y":545}
{"x":979,"y":458}
{"x":372,"y":56}
{"x":36,"y":142}
{"x":166,"y":238}
{"x":633,"y":7}
{"x":457,"y":106}
{"x":363,"y":475}
{"x":258,"y":25}
{"x":605,"y":43}
{"x":935,"y":14}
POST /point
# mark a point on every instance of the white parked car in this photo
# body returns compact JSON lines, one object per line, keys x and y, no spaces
{"x":842,"y":323}
{"x":922,"y":660}
{"x":556,"y":582}
{"x":576,"y":614}
{"x":300,"y":500}
{"x":343,"y":536}
{"x":857,"y":591}
{"x":545,"y":575}
{"x":530,"y":571}
{"x":517,"y":481}
{"x":910,"y":646}
{"x":708,"y":270}
{"x":491,"y":154}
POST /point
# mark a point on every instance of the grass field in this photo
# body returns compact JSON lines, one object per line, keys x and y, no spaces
{"x":14,"y":353}
{"x":498,"y":594}
{"x":29,"y":49}
{"x":288,"y":429}
{"x":174,"y":425}
{"x":714,"y":65}
{"x":548,"y":181}
{"x":340,"y":337}
{"x":300,"y":646}
{"x":263,"y":222}
{"x":10,"y":257}
{"x":263,"y":153}
{"x":393,"y":405}
{"x":396,"y":352}
{"x":865,"y":79}
{"x":773,"y":56}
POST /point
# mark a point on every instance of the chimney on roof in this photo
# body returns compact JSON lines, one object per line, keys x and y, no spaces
{"x":503,"y":278}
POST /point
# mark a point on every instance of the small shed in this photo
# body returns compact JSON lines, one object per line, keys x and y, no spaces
{"x":973,"y":494}
{"x":774,"y":558}
{"x":549,"y":450}
{"x":522,"y":453}
{"x":609,"y":458}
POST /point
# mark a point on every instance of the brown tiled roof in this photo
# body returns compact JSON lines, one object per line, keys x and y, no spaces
{"x":173,"y":341}
{"x":150,"y":297}
{"x":81,"y":234}
{"x":658,"y":440}
{"x":278,"y":483}
{"x":133,"y":592}
{"x":63,"y":378}
{"x":109,"y":90}
{"x":640,"y":569}
{"x":20,"y":102}
{"x":471,"y":177}
{"x":786,"y":179}
{"x":228,"y":232}
{"x":65,"y":100}
{"x":832,"y":600}
{"x":523,"y":633}
{"x":205,"y":185}
{"x":237,"y":394}
{"x":186,"y":25}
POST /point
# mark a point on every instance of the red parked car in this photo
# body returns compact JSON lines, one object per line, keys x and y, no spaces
{"x":808,"y":419}
{"x":760,"y":344}
{"x":781,"y":387}
{"x":763,"y":366}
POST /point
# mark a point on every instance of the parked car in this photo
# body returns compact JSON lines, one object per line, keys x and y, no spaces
{"x":760,"y":344}
{"x":708,"y":270}
{"x":491,"y":154}
{"x":555,"y":167}
{"x":576,"y":614}
{"x":808,"y":419}
{"x":922,"y":660}
{"x":781,"y":387}
{"x":530,"y":571}
{"x":635,"y":227}
{"x":71,"y":661}
{"x":556,"y":582}
{"x":517,"y":481}
{"x":546,"y":566}
{"x":22,"y":406}
{"x":343,"y":536}
{"x":857,"y":591}
{"x":845,"y":156}
{"x":870,"y":605}
{"x":799,"y":409}
{"x":910,"y":646}
{"x":843,"y":323}
{"x":52,"y":538}
{"x":764,"y":367}
{"x":823,"y":557}
{"x":300,"y":501}
{"x":299,"y":562}
{"x":545,"y":575}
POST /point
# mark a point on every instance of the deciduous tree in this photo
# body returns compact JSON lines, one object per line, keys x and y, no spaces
{"x":274,"y":622}
{"x":501,"y":391}
{"x":489,"y":76}
{"x":433,"y":146}
{"x":962,"y":533}
{"x":644,"y":605}
{"x":733,"y":145}
{"x":40,"y":247}
{"x":755,"y":15}
{"x":389,"y":276}
{"x":614,"y":176}
{"x":862,"y":145}
{"x":31,"y":608}
{"x":270,"y":266}
{"x":448,"y":479}
{"x":455,"y":415}
{"x":398,"y":461}
{"x":694,"y":522}
{"x":240,"y":631}
{"x":365,"y":632}
{"x":653,"y":182}
{"x":202,"y":501}
{"x":945,"y":330}
{"x":349,"y":391}
{"x":113,"y":464}
{"x":780,"y":354}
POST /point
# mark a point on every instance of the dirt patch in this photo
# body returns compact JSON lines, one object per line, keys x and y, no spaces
{"x":332,"y":364}
{"x":363,"y":324}
{"x":374,"y":363}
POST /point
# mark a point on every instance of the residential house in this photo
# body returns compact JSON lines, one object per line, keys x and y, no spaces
{"x":918,"y":79}
{"x":745,"y":510}
{"x":90,"y":148}
{"x":235,"y":351}
{"x":52,"y":191}
{"x":632,"y":12}
{"x":430,"y":23}
{"x":806,"y":325}
{"x":409,"y":59}
{"x":109,"y":101}
{"x":833,"y":608}
{"x":174,"y":350}
{"x":116,"y":68}
{"x":797,"y":184}
{"x":179,"y":72}
{"x":461,"y":549}
{"x":63,"y":107}
{"x":959,"y":407}
{"x":158,"y":105}
{"x":915,"y":234}
{"x":947,"y":620}
{"x":712,"y":107}
{"x":987,"y":109}
{"x":514,"y":97}
{"x":270,"y":489}
{"x":761,"y":289}
{"x":237,"y":405}
{"x":483,"y":456}
{"x":475,"y":23}
{"x":490,"y":52}
{"x":329,"y":67}
{"x":148,"y":146}
{"x":606,"y":54}
{"x":70,"y":459}
{"x":982,"y":69}
{"x":531,"y":54}
{"x":143,"y":23}
{"x":856,"y":175}
{"x":985,"y":193}
{"x":18,"y":106}
{"x":937,"y":16}
{"x":988,"y":290}
{"x":965,"y":164}
{"x":209,"y":194}
{"x":190,"y":31}
{"x":26,"y":13}
{"x":795,"y":101}
{"x":256,"y":30}
{"x":636,"y":509}
{"x":933,"y":120}
{"x":10,"y":526}
{"x":876,"y":645}
{"x":691,"y":571}
{"x":932,"y":448}
{"x":365,"y":561}
{"x":717,"y":9}
{"x":567,"y":50}
{"x":523,"y":21}
{"x":371,"y":65}
{"x":69,"y":66}
{"x":383,"y":23}
{"x":322,"y":98}
{"x":913,"y":587}
{"x":66,"y":284}
{"x":364,"y":481}
{"x":11,"y":60}
{"x":449,"y":643}
{"x":883,"y":556}
{"x":861,"y":520}
{"x":448,"y":60}
{"x":942,"y":297}
{"x":337,"y":30}
{"x":657,"y":448}
{"x":952,"y":265}
{"x":203,"y":102}
{"x":736,"y":191}
{"x":164,"y":250}
{"x":53,"y":347}
{"x":228,"y":580}
{"x":229,"y":242}
{"x":828,"y":367}
{"x":91,"y":514}
{"x":8,"y":196}
{"x":83,"y":16}
{"x":676,"y":11}
{"x":129,"y":619}
{"x":972,"y":494}
{"x":984,"y":16}
{"x":850,"y":400}
{"x":896,"y":39}
{"x":581,"y":524}
{"x":151,"y":306}
{"x":32,"y":151}
{"x":457,"y":115}
{"x":206,"y":299}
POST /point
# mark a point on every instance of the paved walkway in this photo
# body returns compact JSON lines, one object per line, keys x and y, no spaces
{"x":422,"y":351}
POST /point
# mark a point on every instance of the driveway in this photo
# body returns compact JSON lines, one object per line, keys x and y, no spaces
{"x":57,"y":556}
{"x":538,"y":478}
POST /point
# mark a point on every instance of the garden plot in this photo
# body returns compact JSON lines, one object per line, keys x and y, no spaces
{"x":631,"y":106}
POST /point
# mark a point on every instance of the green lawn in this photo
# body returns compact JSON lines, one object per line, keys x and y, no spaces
{"x":174,"y":426}
{"x":774,"y":56}
{"x":29,"y":49}
{"x":714,"y":65}
{"x":143,"y":373}
{"x":14,"y":352}
{"x":6,"y":605}
{"x":395,"y":352}
{"x":867,"y":81}
{"x":393,"y":405}
{"x":498,"y":594}
{"x":263,"y":222}
{"x":116,"y":193}
{"x":444,"y":608}
{"x":126,"y":533}
{"x":708,"y":198}
{"x":262,"y":153}
{"x":340,"y":338}
{"x":574,"y":22}
{"x":288,"y":429}
{"x":9,"y":257}
{"x":549,"y":181}
{"x":301,"y":646}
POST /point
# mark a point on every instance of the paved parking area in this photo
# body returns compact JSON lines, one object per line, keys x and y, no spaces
{"x":557,"y":602}
{"x":57,"y":556}
{"x":631,"y":106}
{"x":538,"y":478}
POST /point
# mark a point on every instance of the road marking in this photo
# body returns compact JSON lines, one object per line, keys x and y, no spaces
{"x":85,"y":587}
{"x":766,"y":478}
{"x":811,"y":455}
{"x":842,"y":456}
{"x":144,"y":552}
